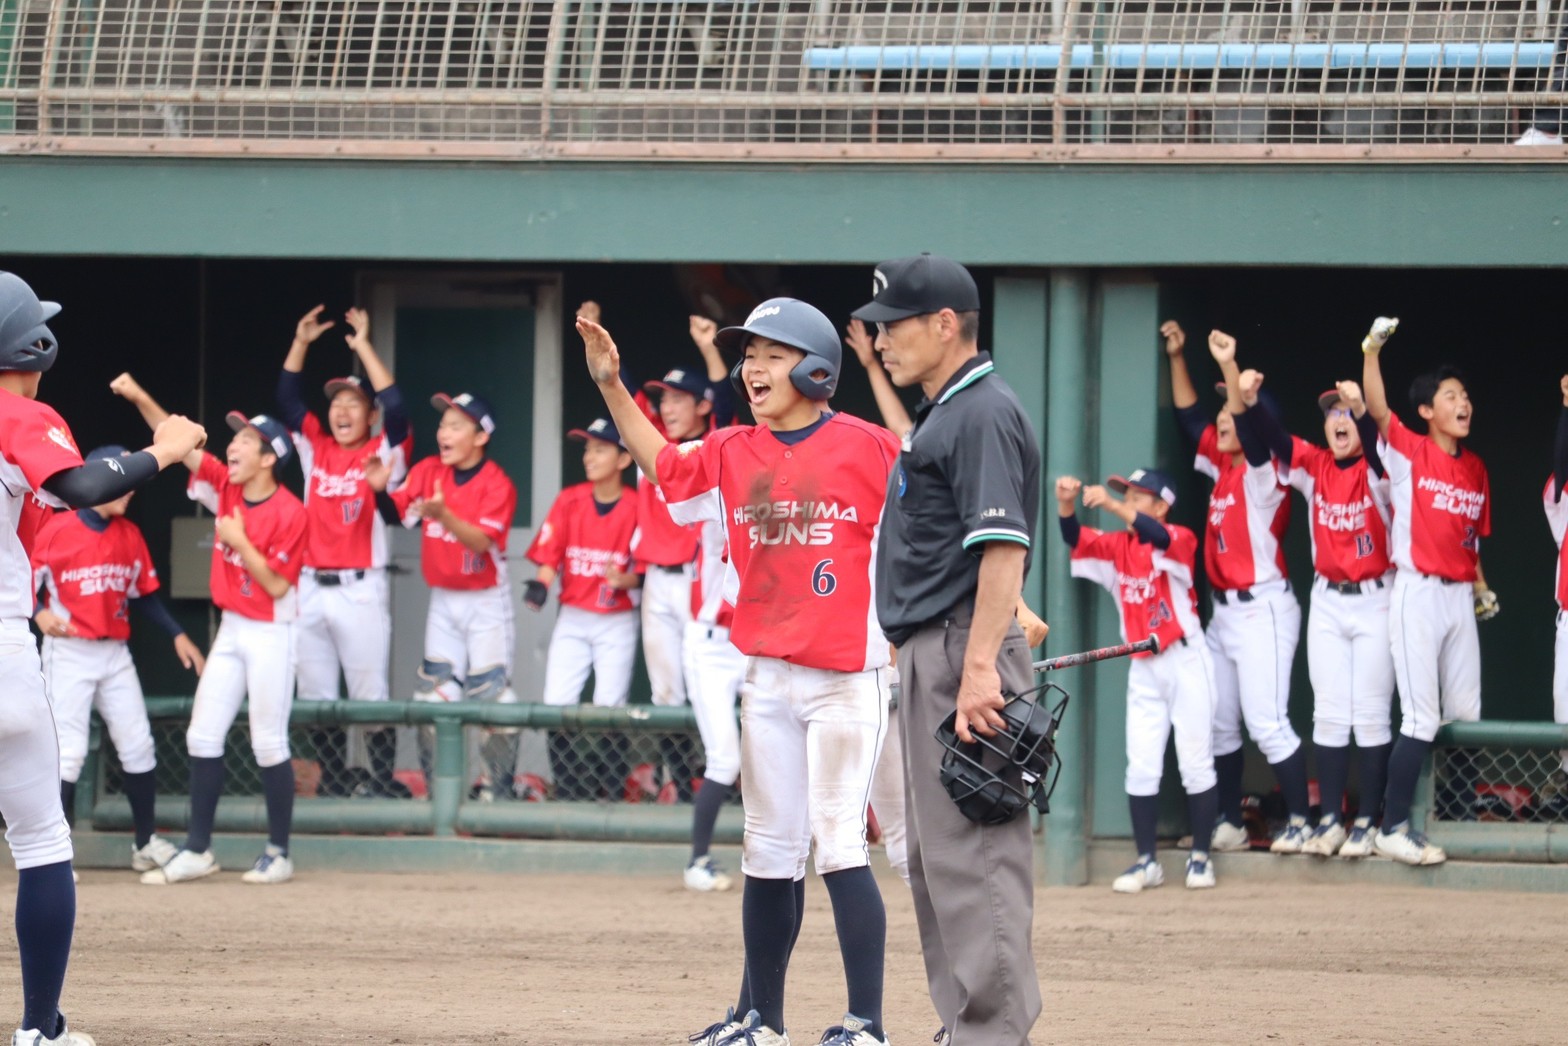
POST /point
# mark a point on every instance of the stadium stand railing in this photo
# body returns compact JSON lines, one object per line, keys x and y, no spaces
{"x":1151,"y":80}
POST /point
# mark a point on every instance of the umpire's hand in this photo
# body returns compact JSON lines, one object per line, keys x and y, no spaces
{"x":980,"y":703}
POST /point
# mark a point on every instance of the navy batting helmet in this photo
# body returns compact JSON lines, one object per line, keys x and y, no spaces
{"x":25,"y":343}
{"x":1022,"y":756}
{"x":791,"y":322}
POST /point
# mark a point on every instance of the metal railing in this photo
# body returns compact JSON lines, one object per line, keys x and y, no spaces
{"x":831,"y":79}
{"x":1498,"y":791}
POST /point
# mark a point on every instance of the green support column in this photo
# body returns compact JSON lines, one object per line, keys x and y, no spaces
{"x":450,"y":771}
{"x":1018,"y":341}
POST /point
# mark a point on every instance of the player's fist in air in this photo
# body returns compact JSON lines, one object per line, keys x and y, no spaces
{"x":1382,"y":329}
{"x":359,"y":340}
{"x":1222,"y":347}
{"x":1486,"y":604}
{"x":1350,"y":396}
{"x":703,"y":331}
{"x":535,"y":594}
{"x":588,"y":310}
{"x":176,"y":437}
{"x":1067,"y":490}
{"x":311,"y":326}
{"x":1175,"y":337}
{"x":52,"y":624}
{"x":1096,"y":496}
{"x":604,"y":360}
{"x":231,"y":529}
{"x":860,"y":343}
{"x":1250,"y":382}
{"x":189,"y":653}
{"x":127,"y":388}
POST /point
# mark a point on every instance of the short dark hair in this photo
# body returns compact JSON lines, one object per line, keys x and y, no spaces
{"x":1424,"y":389}
{"x":969,"y":326}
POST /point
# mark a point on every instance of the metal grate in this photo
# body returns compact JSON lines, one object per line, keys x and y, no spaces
{"x":1500,"y":784}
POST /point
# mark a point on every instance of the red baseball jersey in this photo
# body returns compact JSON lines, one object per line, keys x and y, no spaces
{"x":34,"y":445}
{"x":1349,"y":512}
{"x":1152,"y":586}
{"x":708,"y":604}
{"x":1441,"y":502}
{"x":1248,"y":514}
{"x":91,"y":575}
{"x":34,"y":515}
{"x":343,"y":530}
{"x":275,"y":526}
{"x":1557,"y":519}
{"x":802,"y":522}
{"x":659,"y":539}
{"x":580,"y":544}
{"x":487,"y":501}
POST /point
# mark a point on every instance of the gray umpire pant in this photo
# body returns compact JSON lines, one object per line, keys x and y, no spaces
{"x":973,"y":884}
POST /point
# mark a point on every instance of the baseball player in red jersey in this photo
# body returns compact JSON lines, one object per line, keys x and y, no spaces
{"x":1557,"y":518}
{"x":256,"y":560}
{"x":1256,"y":623}
{"x":39,"y":460}
{"x":586,"y":541}
{"x":801,"y":495}
{"x":1150,"y":568}
{"x":1441,"y":511}
{"x":344,"y":597}
{"x":93,"y":565}
{"x":1352,"y":669}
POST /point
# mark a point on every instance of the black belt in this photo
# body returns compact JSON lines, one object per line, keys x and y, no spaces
{"x":669,"y":568}
{"x":1242,"y":595}
{"x":333,"y":578}
{"x":1444,"y":580}
{"x":1354,"y":588}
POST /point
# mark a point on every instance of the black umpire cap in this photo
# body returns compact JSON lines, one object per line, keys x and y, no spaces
{"x":916,"y":286}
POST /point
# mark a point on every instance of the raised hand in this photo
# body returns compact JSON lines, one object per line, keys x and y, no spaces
{"x":311,"y":326}
{"x":1067,"y":490}
{"x":1251,"y":382}
{"x":127,"y":388}
{"x":1350,"y":396}
{"x":703,"y":331}
{"x":377,"y":473}
{"x":433,"y":506}
{"x":1096,"y":496}
{"x":1222,"y":347}
{"x":359,"y":320}
{"x":588,"y":310}
{"x":1175,"y":337}
{"x":189,"y":653}
{"x":178,"y":435}
{"x":604,"y":360}
{"x":860,"y":343}
{"x":1382,"y":329}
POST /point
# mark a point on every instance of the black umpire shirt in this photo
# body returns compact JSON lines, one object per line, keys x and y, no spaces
{"x":969,"y":473}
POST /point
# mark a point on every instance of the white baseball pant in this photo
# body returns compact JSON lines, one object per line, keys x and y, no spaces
{"x":1350,"y":664}
{"x":810,"y":739}
{"x":81,"y":674}
{"x":1171,"y":691}
{"x":1560,"y":677}
{"x":714,"y":671}
{"x":345,"y":627}
{"x":584,"y":640}
{"x":35,"y":827}
{"x":887,"y":797}
{"x":1437,"y":653}
{"x":468,"y":632}
{"x":252,"y":659}
{"x":666,"y":611}
{"x":1251,"y":645}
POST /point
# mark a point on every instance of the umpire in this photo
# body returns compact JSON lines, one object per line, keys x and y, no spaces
{"x":951,"y":559}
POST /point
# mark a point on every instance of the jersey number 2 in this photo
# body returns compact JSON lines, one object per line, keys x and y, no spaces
{"x":823,"y":583}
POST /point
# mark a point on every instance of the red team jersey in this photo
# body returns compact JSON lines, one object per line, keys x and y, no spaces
{"x":708,"y":604}
{"x":92,"y":575}
{"x":276,"y":527}
{"x":1248,"y":514}
{"x":344,"y":531}
{"x":802,"y":522}
{"x":487,"y":501}
{"x":1442,"y":505}
{"x":659,"y":539}
{"x":1152,"y":586}
{"x":1349,"y":507}
{"x":579,"y":543}
{"x":34,"y":445}
{"x":1557,"y":519}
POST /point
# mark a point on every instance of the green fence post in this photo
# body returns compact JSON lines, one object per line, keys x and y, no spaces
{"x":446,"y":785}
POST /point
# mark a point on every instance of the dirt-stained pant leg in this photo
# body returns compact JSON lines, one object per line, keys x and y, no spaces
{"x":973,"y":884}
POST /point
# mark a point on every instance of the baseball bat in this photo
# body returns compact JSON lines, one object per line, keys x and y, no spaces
{"x":1051,"y":664}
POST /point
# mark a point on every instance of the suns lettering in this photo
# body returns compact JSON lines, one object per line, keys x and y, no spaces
{"x":1456,"y":501}
{"x":790,"y":534}
{"x":1340,"y":517}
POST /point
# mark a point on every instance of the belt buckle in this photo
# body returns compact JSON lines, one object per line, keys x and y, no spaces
{"x":1244,"y":595}
{"x":328,"y":578}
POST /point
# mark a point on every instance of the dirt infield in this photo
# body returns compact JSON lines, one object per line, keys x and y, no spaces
{"x":595,"y":961}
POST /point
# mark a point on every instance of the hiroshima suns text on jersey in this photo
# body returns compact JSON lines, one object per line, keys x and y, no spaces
{"x":1557,"y":517}
{"x":659,"y":539}
{"x":580,"y":544}
{"x":92,"y":575}
{"x":1248,"y":514}
{"x":1153,"y":586}
{"x":1349,"y":509}
{"x":486,"y":501}
{"x":802,"y":523}
{"x":344,"y":531}
{"x":1442,"y":505}
{"x":275,"y":526}
{"x":34,"y":445}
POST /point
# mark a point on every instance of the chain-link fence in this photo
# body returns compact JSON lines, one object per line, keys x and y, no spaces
{"x":1525,"y":785}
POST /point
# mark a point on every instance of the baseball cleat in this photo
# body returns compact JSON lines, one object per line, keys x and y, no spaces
{"x":157,"y":853}
{"x":942,"y":1038}
{"x":1408,"y":847}
{"x":705,"y":876}
{"x":1325,"y":839}
{"x":34,"y":1037}
{"x":273,"y":866}
{"x":1145,"y":875}
{"x":752,"y":1032}
{"x":1536,"y":136}
{"x":1200,"y":873}
{"x":182,"y":868}
{"x":1229,"y":838}
{"x":851,"y":1033}
{"x":1293,"y":839}
{"x":716,"y":1032}
{"x":1359,"y":844}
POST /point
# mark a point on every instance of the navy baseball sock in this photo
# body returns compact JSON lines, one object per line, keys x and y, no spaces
{"x":677,"y":751}
{"x":1291,"y":773}
{"x":1404,"y":767}
{"x":705,"y":814}
{"x":861,"y":919}
{"x":1145,"y":824}
{"x":1227,"y":770}
{"x":768,"y":927}
{"x":383,"y":755}
{"x":743,"y":1003}
{"x":1374,"y":780}
{"x":140,"y":793}
{"x":1202,"y":809}
{"x":278,"y":782}
{"x":206,"y":786}
{"x":330,"y":742}
{"x":1333,"y":773}
{"x":45,"y":918}
{"x":68,"y":801}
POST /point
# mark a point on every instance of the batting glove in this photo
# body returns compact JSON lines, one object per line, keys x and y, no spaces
{"x":1486,"y":604}
{"x":535,"y":595}
{"x":1382,"y":329}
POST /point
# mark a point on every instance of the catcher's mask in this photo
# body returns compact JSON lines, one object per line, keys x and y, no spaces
{"x":993,"y":778}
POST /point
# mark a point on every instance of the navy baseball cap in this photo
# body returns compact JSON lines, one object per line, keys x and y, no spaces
{"x":1150,"y":481}
{"x":108,"y":450}
{"x":915,"y":286}
{"x":474,"y":406}
{"x":679,"y":380}
{"x":599,"y":428}
{"x":274,"y":435}
{"x":352,"y":382}
{"x":1327,"y":401}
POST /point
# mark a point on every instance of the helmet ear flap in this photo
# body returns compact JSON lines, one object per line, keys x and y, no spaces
{"x":735,"y":380}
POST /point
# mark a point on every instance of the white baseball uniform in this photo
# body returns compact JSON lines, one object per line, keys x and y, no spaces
{"x":664,"y":552}
{"x":714,"y":667}
{"x":887,"y":789}
{"x":1557,"y":517}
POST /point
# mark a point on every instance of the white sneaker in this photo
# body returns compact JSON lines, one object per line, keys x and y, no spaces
{"x":1536,"y":136}
{"x":182,"y":868}
{"x":1145,"y":875}
{"x":273,"y":866}
{"x":157,"y":853}
{"x":1293,"y":839}
{"x":1326,"y":838}
{"x":1229,"y":837}
{"x":1200,"y":873}
{"x":1359,"y":844}
{"x":942,"y":1037}
{"x":34,"y":1037}
{"x":1408,"y":847}
{"x":705,"y":876}
{"x":851,"y":1033}
{"x":716,"y":1032}
{"x":752,"y":1032}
